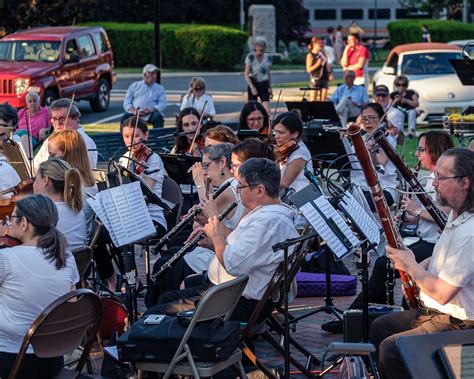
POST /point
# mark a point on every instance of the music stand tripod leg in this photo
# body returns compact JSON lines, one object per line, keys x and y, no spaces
{"x":130,"y":280}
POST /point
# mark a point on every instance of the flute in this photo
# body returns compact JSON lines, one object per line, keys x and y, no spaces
{"x":189,"y":246}
{"x":392,"y":234}
{"x":185,"y":221}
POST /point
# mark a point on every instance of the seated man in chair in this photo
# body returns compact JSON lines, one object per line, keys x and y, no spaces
{"x":248,"y":249}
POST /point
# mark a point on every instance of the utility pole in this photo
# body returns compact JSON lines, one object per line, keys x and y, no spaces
{"x":465,"y":11}
{"x":242,"y":15}
{"x":156,"y":22}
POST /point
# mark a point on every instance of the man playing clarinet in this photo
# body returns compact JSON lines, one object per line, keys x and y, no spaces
{"x":444,"y":280}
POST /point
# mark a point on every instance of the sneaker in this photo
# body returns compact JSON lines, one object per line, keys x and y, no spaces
{"x":335,"y":327}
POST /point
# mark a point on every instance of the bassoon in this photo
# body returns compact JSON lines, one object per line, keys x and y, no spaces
{"x":391,"y":233}
{"x":410,"y":177}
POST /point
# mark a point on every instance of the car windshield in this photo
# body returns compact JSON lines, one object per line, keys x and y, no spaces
{"x":429,"y":63}
{"x":36,"y":51}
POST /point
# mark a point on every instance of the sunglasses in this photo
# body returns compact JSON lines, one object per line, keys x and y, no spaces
{"x":198,"y":88}
{"x":401,"y":85}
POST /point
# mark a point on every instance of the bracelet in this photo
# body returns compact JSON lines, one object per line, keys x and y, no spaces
{"x":418,"y":212}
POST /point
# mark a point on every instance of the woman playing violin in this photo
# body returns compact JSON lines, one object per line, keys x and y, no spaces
{"x":255,"y":117}
{"x":32,"y":275}
{"x":144,"y":162}
{"x":188,"y":121}
{"x":291,"y":152}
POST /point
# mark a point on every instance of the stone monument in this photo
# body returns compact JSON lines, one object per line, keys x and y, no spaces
{"x":262,"y":23}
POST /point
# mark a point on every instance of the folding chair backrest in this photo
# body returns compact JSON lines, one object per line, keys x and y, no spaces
{"x":172,"y":192}
{"x":220,"y":300}
{"x":83,"y":257}
{"x":62,"y":326}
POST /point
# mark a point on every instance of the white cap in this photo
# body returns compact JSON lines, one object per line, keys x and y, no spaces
{"x":150,"y":68}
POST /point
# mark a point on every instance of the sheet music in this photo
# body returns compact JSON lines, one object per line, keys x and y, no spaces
{"x":320,"y":224}
{"x":458,"y":360}
{"x":124,"y":213}
{"x":359,"y":216}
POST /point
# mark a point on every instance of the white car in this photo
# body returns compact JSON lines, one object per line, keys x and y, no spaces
{"x":431,"y":75}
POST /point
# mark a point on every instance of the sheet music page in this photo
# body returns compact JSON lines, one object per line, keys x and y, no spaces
{"x":97,"y":207}
{"x":459,"y":360}
{"x":359,"y":216}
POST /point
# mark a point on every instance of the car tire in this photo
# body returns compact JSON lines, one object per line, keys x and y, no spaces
{"x":49,"y":96}
{"x":100,"y":102}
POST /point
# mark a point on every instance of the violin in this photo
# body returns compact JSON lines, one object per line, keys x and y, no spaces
{"x":282,"y":152}
{"x":8,"y":241}
{"x":23,"y":188}
{"x":141,"y":156}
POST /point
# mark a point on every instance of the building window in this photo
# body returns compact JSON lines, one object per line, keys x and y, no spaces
{"x":325,"y":14}
{"x":352,"y":14}
{"x":382,"y":14}
{"x":402,"y":13}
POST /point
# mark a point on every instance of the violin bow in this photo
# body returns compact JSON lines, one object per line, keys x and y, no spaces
{"x":198,"y":129}
{"x":274,"y":114}
{"x":382,"y":119}
{"x":30,"y":142}
{"x":137,"y":116}
{"x":69,"y":109}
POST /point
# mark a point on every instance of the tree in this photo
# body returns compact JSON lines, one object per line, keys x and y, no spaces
{"x":435,"y":7}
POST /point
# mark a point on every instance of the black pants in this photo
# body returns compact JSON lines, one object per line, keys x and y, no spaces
{"x":377,"y":288}
{"x":32,"y":366}
{"x":385,"y":330}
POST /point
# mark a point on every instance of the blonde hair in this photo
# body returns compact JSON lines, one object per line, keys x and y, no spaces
{"x":71,"y":143}
{"x":64,"y":180}
{"x":197,"y":81}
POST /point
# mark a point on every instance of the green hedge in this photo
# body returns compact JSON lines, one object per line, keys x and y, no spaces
{"x":409,"y":31}
{"x":182,"y":45}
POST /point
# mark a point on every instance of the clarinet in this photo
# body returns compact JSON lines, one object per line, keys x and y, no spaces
{"x":185,"y":221}
{"x":188,"y":247}
{"x":392,"y":234}
{"x":438,"y":216}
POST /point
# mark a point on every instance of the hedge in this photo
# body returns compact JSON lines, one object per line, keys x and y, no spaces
{"x":408,"y":31}
{"x":182,"y":45}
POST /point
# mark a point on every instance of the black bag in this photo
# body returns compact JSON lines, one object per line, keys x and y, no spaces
{"x":211,"y":341}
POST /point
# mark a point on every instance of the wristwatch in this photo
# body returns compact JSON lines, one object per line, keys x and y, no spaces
{"x":418,"y":212}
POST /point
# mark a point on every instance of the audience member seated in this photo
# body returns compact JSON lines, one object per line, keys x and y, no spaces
{"x":197,"y":97}
{"x":33,"y":274}
{"x":395,"y":117}
{"x":349,"y":98}
{"x":254,"y":116}
{"x":147,"y":95}
{"x":35,"y":118}
{"x":407,"y":100}
{"x":248,"y":249}
{"x":62,"y":184}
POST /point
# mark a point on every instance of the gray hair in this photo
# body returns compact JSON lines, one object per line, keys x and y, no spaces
{"x":65,"y":103}
{"x":32,"y":94}
{"x":215,"y":152}
{"x":261,"y":41}
{"x":262,"y":171}
{"x":464,"y":168}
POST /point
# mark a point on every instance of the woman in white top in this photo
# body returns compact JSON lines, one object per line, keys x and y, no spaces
{"x":291,"y":152}
{"x":32,"y":275}
{"x":197,"y":97}
{"x":56,"y":179}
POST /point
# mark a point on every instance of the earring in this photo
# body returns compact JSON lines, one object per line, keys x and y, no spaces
{"x":222,"y":172}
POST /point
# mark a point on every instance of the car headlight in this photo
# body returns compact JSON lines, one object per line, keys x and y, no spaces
{"x":21,"y":85}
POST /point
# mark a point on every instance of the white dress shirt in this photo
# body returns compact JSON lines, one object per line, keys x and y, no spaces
{"x":143,"y":95}
{"x":198,"y":104}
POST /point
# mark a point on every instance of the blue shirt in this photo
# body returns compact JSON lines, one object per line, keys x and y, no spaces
{"x":143,"y":95}
{"x":358,"y":94}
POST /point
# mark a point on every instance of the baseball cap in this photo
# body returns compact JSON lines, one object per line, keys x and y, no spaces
{"x":381,"y":90}
{"x":150,"y":68}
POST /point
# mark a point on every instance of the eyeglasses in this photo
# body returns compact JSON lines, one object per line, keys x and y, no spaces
{"x":369,"y":118}
{"x":440,"y":178}
{"x":238,"y":188}
{"x":235,"y":166}
{"x":198,"y":88}
{"x":7,"y":126}
{"x":401,"y":84}
{"x":420,"y":149}
{"x":255,"y":119}
{"x":7,"y":221}
{"x":381,"y":95}
{"x":205,"y":165}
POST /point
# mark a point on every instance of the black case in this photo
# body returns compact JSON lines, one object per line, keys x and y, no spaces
{"x":209,"y":341}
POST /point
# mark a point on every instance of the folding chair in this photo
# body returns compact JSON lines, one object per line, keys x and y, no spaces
{"x":61,"y":327}
{"x":83,"y":256}
{"x":276,"y":286}
{"x":171,"y":192}
{"x":218,"y":301}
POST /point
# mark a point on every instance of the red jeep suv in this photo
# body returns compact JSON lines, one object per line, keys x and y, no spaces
{"x":57,"y":62}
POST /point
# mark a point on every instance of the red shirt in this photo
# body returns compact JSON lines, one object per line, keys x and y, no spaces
{"x":353,"y":55}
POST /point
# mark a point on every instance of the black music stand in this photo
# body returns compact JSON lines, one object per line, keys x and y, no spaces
{"x":309,"y":110}
{"x":249,"y":133}
{"x":178,"y":165}
{"x":464,"y":69}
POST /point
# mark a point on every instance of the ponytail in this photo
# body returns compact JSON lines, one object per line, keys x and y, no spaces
{"x":42,"y":214}
{"x":72,"y":190}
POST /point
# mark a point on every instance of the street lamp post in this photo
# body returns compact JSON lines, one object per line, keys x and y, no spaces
{"x":157,"y":50}
{"x":242,"y":15}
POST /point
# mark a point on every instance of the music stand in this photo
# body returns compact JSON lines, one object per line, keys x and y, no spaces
{"x":309,"y":110}
{"x":464,"y":70}
{"x":178,"y":165}
{"x":16,"y":158}
{"x":249,"y":133}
